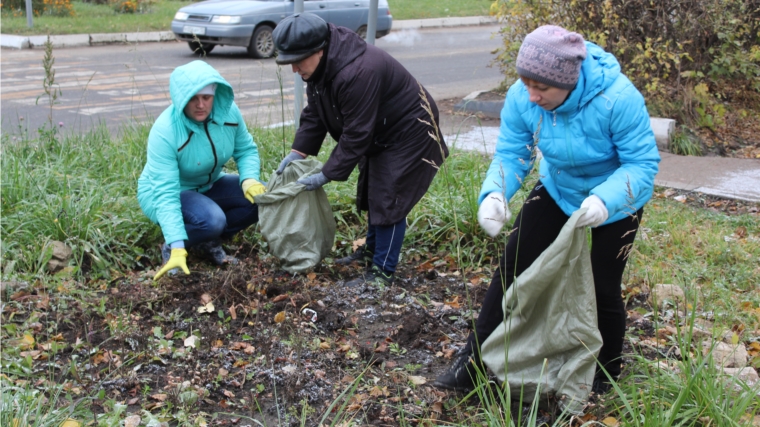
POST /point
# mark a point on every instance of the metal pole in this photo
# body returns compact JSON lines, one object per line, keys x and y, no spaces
{"x":372,"y":22}
{"x":297,"y":8}
{"x":29,"y":13}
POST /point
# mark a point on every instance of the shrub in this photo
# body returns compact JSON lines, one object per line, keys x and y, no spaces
{"x":130,"y":6}
{"x":40,"y":7}
{"x":705,"y":49}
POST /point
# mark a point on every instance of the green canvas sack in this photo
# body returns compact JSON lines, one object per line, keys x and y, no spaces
{"x":297,"y":224}
{"x":549,"y":339}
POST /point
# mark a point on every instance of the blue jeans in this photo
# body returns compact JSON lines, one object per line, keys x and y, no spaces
{"x":218,"y":213}
{"x":385,"y":243}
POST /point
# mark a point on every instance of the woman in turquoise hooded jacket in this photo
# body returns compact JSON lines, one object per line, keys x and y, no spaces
{"x":182,"y":187}
{"x":591,"y":126}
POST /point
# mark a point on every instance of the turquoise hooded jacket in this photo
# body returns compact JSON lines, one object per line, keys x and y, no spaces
{"x":599,"y":141}
{"x":184,"y":154}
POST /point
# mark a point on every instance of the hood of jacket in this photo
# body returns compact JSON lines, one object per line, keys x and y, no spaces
{"x":187,"y":80}
{"x":598,"y":71}
{"x":345,"y":46}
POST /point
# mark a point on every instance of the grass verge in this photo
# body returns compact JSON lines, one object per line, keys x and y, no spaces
{"x":91,"y":18}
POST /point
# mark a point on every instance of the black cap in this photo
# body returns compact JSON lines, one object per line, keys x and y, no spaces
{"x":299,"y":36}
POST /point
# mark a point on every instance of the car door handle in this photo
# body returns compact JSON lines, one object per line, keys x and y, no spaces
{"x":356,"y":4}
{"x":321,"y":6}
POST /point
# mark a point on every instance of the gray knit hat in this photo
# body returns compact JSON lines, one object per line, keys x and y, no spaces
{"x":552,"y":55}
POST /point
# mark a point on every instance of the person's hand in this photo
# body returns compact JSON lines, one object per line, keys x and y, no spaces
{"x":289,"y":158}
{"x":596,"y":213}
{"x":493,"y":213}
{"x":177,"y":259}
{"x":312,"y":182}
{"x":252,"y":188}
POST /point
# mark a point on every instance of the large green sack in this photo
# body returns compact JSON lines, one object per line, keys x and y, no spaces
{"x":297,"y":224}
{"x":550,"y":315}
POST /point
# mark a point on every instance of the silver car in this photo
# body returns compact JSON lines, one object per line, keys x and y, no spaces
{"x":249,"y":23}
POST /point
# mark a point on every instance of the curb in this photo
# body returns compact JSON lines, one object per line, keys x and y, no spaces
{"x":80,"y":40}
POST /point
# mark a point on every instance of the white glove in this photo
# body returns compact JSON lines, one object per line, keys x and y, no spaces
{"x":493,"y":213}
{"x":596,"y":213}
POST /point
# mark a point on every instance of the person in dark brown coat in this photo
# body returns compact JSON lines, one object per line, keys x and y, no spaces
{"x":371,"y":105}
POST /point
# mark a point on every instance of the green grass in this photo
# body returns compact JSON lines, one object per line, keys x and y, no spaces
{"x":91,"y":18}
{"x":421,"y":9}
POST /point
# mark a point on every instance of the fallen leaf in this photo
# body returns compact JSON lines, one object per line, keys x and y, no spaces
{"x":208,"y":308}
{"x":233,"y":313}
{"x":280,"y":297}
{"x":358,"y":242}
{"x":324,"y":345}
{"x":132,"y":421}
{"x":228,"y":393}
{"x":71,"y":423}
{"x":279,"y":317}
{"x":610,"y":422}
{"x":437,"y":407}
{"x":311,"y":276}
{"x":159,"y":396}
{"x":223,"y":373}
{"x":417,"y":380}
{"x":27,"y":341}
{"x":191,"y":341}
{"x":205,"y":299}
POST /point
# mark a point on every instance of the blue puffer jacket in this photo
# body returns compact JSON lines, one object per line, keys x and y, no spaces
{"x":187,"y":155}
{"x":599,"y":141}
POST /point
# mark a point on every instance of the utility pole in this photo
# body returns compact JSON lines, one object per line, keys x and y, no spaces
{"x":297,"y":8}
{"x":30,"y":12}
{"x":372,"y":22}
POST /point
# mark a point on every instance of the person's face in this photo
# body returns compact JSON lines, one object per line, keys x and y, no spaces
{"x":547,"y":97}
{"x":199,"y":107}
{"x":306,"y":67}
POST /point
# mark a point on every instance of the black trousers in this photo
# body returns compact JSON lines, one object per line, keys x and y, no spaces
{"x":536,"y":227}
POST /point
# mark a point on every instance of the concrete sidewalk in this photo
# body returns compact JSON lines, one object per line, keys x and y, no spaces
{"x":82,"y":40}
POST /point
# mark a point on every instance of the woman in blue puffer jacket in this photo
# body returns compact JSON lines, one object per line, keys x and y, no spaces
{"x":182,"y":187}
{"x":592,"y":129}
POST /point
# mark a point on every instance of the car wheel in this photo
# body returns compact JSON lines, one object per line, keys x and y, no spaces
{"x":262,"y":43}
{"x":362,"y":32}
{"x":201,"y":49}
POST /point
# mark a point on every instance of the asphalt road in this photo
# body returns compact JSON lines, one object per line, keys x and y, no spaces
{"x":120,"y":84}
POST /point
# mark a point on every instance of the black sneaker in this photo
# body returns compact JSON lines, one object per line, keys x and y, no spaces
{"x":361,"y":255}
{"x":374,"y":276}
{"x":461,"y":376}
{"x":215,"y":252}
{"x":601,"y":384}
{"x":166,"y":253}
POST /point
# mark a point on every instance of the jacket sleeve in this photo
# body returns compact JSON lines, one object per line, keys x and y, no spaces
{"x":246,"y":153}
{"x":311,"y":131}
{"x":163,"y":167}
{"x":637,"y":152}
{"x":359,"y":97}
{"x":512,"y":159}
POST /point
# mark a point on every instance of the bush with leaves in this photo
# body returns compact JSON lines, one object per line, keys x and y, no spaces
{"x":666,"y":47}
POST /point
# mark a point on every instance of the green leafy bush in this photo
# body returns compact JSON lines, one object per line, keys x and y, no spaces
{"x":703,"y":50}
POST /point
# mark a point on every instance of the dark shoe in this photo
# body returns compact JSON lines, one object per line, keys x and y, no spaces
{"x":166,"y":253}
{"x":361,"y":255}
{"x":374,"y":276}
{"x":462,"y":374}
{"x":601,"y":384}
{"x":214,"y":250}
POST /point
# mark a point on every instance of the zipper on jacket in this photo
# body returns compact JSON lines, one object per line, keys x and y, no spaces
{"x":186,"y":142}
{"x":567,"y":142}
{"x":213,"y":150}
{"x":554,"y":122}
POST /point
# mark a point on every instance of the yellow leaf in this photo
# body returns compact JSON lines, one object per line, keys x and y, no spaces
{"x":208,"y":308}
{"x":734,"y":339}
{"x":71,"y":423}
{"x":610,"y":422}
{"x":27,"y":341}
{"x":279,"y":317}
{"x":417,"y":380}
{"x":324,"y":345}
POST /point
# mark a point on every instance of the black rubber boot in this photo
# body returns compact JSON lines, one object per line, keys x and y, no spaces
{"x":361,"y":256}
{"x":462,"y":375}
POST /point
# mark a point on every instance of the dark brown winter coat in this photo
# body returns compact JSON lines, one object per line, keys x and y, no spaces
{"x":371,"y":105}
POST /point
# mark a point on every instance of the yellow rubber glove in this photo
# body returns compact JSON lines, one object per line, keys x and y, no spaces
{"x":252,"y":188}
{"x":178,"y":259}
